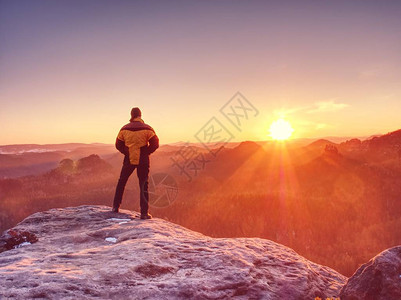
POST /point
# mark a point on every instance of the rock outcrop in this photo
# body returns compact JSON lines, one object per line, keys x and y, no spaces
{"x":88,"y":252}
{"x":14,"y":239}
{"x":380,"y":278}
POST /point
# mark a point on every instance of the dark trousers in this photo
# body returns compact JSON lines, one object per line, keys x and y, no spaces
{"x":143,"y":176}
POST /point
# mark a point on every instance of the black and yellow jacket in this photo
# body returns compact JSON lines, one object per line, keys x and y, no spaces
{"x":137,"y":140}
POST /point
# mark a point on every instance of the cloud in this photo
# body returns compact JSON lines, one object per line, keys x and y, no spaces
{"x":320,"y":126}
{"x":283,"y":112}
{"x":317,"y":107}
{"x":327,"y":106}
{"x":310,"y":125}
{"x":369,"y":73}
{"x":373,"y":71}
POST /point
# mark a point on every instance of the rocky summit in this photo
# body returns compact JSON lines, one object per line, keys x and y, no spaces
{"x":89,"y":252}
{"x":379,"y":278}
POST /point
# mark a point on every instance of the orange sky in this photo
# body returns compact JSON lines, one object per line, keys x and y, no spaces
{"x":70,"y":71}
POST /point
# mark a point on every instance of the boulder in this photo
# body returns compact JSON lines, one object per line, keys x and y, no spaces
{"x":380,"y":278}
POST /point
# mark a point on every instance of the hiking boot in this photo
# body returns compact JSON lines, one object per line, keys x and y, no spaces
{"x":146,"y":216}
{"x":115,"y":209}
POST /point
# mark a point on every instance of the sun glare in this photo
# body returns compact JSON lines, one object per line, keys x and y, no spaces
{"x":280,"y":130}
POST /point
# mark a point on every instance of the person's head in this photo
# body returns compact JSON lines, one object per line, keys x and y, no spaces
{"x":135,"y":113}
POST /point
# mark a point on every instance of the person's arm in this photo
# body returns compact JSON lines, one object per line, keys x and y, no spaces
{"x":153,"y":144}
{"x":120,"y":144}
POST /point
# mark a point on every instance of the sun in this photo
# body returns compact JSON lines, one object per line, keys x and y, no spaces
{"x":280,"y":130}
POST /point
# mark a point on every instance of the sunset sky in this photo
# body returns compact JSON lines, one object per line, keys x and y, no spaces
{"x":70,"y":71}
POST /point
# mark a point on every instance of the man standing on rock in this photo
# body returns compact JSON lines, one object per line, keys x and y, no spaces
{"x":136,"y":141}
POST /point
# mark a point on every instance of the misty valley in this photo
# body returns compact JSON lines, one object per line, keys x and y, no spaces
{"x":336,"y":204}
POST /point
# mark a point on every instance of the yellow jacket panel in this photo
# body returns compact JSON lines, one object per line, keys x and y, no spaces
{"x":137,"y":140}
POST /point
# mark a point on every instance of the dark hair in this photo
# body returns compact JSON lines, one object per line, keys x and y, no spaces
{"x":135,"y":113}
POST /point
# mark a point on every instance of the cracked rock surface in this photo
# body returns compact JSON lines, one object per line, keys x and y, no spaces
{"x":89,"y":252}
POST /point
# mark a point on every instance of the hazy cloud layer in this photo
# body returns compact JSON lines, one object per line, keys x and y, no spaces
{"x":327,"y":106}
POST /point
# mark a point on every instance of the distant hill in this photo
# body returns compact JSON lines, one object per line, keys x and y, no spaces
{"x":336,"y":204}
{"x":28,"y":163}
{"x":24,"y":160}
{"x":91,"y":165}
{"x":320,"y":144}
{"x":37,"y":148}
{"x":391,"y":140}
